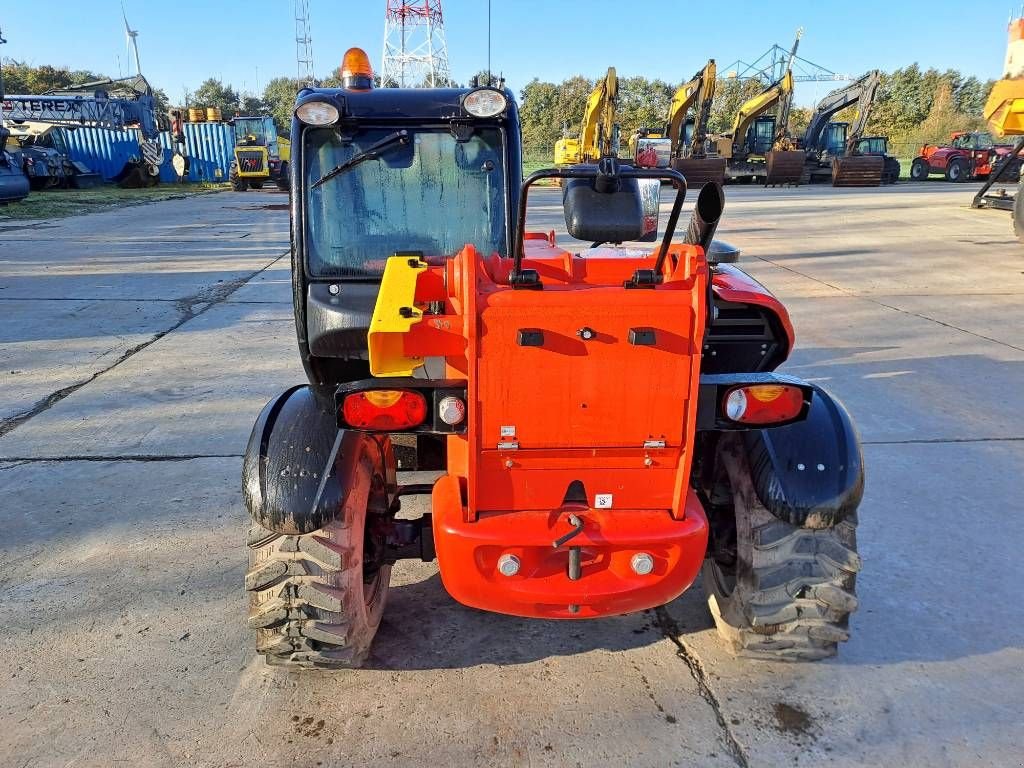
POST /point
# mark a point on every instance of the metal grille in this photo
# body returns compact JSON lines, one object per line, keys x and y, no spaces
{"x":740,"y":339}
{"x":251,"y":162}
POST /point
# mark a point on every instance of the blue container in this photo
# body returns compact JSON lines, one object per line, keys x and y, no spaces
{"x":208,"y":146}
{"x":103,"y":150}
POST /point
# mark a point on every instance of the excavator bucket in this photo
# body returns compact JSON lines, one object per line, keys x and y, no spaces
{"x":783,"y":167}
{"x":699,"y":172}
{"x":857,"y":171}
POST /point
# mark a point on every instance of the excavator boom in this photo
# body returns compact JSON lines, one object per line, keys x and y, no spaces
{"x":597,"y":138}
{"x":760,"y":104}
{"x":782,"y":139}
{"x":704,"y":100}
{"x":861,"y":92}
{"x":698,"y":91}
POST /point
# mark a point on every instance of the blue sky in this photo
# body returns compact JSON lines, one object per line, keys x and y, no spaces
{"x":184,"y":41}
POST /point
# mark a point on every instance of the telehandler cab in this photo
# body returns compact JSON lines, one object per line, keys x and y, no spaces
{"x":606,"y":420}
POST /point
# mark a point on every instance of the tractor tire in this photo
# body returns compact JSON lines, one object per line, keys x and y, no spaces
{"x":957,"y":171}
{"x":1018,"y":212}
{"x":919,"y":169}
{"x":284,"y":180}
{"x":237,"y":184}
{"x":789,"y":592}
{"x":316,"y":600}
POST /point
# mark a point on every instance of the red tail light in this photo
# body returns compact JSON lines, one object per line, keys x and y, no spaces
{"x":384,"y":410}
{"x":763,"y":403}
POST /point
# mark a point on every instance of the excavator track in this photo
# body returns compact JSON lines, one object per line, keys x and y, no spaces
{"x":859,"y":171}
{"x":784,"y":167}
{"x":699,"y":172}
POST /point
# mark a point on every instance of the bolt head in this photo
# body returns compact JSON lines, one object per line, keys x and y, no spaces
{"x":642,"y":564}
{"x":508,"y":565}
{"x":334,"y":289}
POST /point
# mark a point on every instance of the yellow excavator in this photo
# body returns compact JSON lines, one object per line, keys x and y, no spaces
{"x":599,"y":134}
{"x":759,"y":145}
{"x":1004,"y":112}
{"x":682,"y":145}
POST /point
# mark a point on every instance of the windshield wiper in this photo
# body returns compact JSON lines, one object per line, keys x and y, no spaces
{"x":370,"y":153}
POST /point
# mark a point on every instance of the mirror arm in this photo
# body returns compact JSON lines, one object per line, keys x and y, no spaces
{"x":678,"y":182}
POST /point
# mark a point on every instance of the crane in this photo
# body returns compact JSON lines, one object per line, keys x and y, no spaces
{"x":123,"y":103}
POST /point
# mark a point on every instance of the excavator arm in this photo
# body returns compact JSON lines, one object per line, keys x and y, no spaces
{"x":699,"y":90}
{"x":861,"y":92}
{"x":782,"y":138}
{"x":864,"y":104}
{"x":598,"y":135}
{"x":704,"y":100}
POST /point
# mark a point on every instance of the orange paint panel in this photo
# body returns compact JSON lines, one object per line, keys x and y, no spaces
{"x":572,"y":392}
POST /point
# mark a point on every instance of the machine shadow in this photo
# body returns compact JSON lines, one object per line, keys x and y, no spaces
{"x":424,"y":628}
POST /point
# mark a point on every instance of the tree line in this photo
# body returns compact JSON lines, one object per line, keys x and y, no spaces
{"x":913,"y":106}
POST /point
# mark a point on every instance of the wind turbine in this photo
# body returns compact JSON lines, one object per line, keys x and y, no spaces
{"x":133,"y":43}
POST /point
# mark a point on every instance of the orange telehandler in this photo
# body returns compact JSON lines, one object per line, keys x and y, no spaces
{"x":606,"y":420}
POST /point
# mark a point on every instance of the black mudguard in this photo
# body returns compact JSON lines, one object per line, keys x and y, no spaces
{"x":809,"y":473}
{"x":296,"y":459}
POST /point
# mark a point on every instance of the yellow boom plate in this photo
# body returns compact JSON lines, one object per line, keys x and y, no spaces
{"x":393,"y":315}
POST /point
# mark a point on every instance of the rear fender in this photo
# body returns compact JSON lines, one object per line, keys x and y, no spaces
{"x":296,"y":462}
{"x":809,"y":473}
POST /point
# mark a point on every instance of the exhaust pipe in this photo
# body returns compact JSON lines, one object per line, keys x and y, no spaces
{"x":706,"y":215}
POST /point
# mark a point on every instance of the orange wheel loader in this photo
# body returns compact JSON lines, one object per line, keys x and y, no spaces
{"x":606,"y":421}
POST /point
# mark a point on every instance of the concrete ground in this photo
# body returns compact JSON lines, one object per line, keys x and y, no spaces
{"x":137,"y":347}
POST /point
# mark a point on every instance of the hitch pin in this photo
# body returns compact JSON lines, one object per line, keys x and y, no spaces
{"x":577,"y":525}
{"x":575,"y":565}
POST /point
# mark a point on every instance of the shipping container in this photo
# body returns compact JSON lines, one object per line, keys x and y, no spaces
{"x":103,"y":150}
{"x":208,"y":146}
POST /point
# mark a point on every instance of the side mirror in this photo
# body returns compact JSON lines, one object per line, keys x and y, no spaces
{"x":604,"y":208}
{"x":650,"y":202}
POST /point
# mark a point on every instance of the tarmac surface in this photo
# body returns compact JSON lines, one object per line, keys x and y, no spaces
{"x":137,"y":347}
